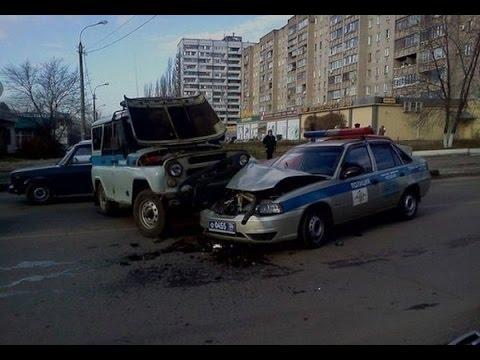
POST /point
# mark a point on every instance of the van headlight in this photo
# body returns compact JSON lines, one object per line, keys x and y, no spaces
{"x":243,"y":160}
{"x":175,"y":169}
{"x":268,"y":208}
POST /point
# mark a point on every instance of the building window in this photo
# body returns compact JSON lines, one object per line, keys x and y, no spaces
{"x":378,"y":37}
{"x":468,"y":49}
{"x":376,"y":89}
{"x":369,"y":40}
{"x":387,"y":34}
{"x":367,"y":90}
{"x":385,"y":69}
{"x":385,"y":88}
{"x":351,"y":43}
{"x":369,"y":23}
{"x":387,"y":51}
{"x":351,"y":27}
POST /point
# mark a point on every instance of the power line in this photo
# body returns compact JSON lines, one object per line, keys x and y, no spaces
{"x":114,"y":31}
{"x":123,"y":37}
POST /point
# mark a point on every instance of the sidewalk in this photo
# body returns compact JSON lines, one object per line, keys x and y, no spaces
{"x":454,"y":165}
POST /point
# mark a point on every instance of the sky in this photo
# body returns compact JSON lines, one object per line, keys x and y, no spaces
{"x":128,"y":64}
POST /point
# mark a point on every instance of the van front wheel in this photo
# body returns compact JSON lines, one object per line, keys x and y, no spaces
{"x":149,"y":214}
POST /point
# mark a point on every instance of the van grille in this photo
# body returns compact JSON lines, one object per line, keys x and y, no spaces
{"x":206,"y":158}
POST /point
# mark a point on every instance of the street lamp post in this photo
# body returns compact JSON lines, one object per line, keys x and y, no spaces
{"x":95,"y":98}
{"x":82,"y":88}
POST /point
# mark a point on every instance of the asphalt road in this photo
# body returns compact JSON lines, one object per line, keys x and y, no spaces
{"x":71,"y":276}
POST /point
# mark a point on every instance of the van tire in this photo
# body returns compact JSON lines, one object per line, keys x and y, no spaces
{"x":149,"y":213}
{"x":105,"y":206}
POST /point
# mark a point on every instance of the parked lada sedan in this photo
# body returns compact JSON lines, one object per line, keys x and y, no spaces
{"x":342,"y":176}
{"x":70,"y":176}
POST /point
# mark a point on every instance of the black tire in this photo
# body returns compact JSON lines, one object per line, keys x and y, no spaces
{"x":105,"y":206}
{"x":314,"y":228}
{"x":38,"y":194}
{"x":408,"y":205}
{"x":149,"y":214}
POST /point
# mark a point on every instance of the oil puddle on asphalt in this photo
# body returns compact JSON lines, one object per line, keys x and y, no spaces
{"x":352,"y":262}
{"x":462,"y":242}
{"x":422,"y":306}
{"x":205,"y":264}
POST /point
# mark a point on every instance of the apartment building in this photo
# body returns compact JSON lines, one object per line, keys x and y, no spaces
{"x":322,"y":59}
{"x":213,"y":67}
{"x":420,"y":50}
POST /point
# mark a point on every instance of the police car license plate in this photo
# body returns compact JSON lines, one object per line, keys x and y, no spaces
{"x":221,"y":226}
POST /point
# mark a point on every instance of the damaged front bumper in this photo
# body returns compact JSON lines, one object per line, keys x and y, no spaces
{"x":258,"y":229}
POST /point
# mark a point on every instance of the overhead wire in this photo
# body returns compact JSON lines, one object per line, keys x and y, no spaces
{"x":123,"y":37}
{"x":114,"y":31}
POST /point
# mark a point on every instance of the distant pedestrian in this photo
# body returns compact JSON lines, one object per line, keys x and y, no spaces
{"x":382,"y":130}
{"x":357,"y":125}
{"x":270,"y":143}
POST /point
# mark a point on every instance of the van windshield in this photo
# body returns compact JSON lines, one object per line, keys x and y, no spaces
{"x":189,"y":121}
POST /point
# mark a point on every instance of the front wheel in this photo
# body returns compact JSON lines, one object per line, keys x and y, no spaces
{"x":38,"y":194}
{"x":149,"y":214}
{"x":314,"y":228}
{"x":408,"y":205}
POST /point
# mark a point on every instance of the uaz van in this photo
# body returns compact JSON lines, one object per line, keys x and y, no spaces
{"x":158,"y":153}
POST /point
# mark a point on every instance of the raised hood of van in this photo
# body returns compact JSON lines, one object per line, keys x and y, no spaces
{"x":173,"y":121}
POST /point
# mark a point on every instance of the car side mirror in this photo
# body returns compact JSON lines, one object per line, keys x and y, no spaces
{"x":352,"y":171}
{"x":75,"y":160}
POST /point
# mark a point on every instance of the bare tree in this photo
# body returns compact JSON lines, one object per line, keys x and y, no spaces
{"x":49,"y":91}
{"x":448,"y":64}
{"x":324,"y":122}
{"x":168,"y":84}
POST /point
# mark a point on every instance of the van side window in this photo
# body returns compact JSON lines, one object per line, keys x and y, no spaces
{"x":118,"y":139}
{"x":107,"y":139}
{"x":97,"y":138}
{"x":405,"y":157}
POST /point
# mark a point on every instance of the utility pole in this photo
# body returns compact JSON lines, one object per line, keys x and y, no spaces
{"x":83,"y":125}
{"x":94,"y":110}
{"x":95,"y":98}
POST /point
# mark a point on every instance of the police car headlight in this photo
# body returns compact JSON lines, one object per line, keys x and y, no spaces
{"x":243,"y":160}
{"x":175,"y":169}
{"x":268,"y":208}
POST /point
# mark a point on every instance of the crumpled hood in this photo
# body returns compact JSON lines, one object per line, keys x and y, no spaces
{"x":256,"y":177}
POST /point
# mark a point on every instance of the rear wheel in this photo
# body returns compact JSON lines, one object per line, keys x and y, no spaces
{"x":149,"y":214}
{"x":105,"y":206}
{"x":314,"y":228}
{"x":408,"y":205}
{"x":38,"y":193}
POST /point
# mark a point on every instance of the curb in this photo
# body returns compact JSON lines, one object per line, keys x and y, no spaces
{"x":469,"y":151}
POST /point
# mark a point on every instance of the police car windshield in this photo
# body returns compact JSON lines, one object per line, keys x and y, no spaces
{"x":321,"y":160}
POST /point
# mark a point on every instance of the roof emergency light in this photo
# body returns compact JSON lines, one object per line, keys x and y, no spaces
{"x":339,"y":133}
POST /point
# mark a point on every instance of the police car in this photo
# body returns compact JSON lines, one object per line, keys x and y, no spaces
{"x":340,"y":176}
{"x":156,"y":154}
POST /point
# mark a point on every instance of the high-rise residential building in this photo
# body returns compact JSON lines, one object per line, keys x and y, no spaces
{"x":213,"y":67}
{"x":322,"y":59}
{"x":420,"y":53}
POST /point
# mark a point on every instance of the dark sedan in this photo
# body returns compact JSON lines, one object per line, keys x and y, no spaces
{"x":70,"y":176}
